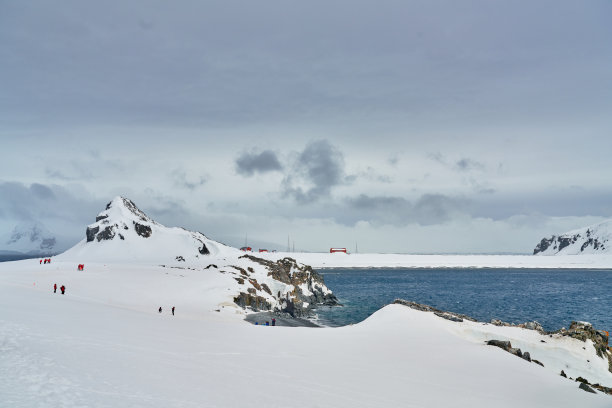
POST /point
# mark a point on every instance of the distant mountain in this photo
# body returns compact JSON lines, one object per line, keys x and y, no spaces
{"x":123,"y":232}
{"x":31,"y":238}
{"x":594,"y":239}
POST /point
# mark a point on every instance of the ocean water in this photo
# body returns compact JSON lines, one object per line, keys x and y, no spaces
{"x":552,"y":297}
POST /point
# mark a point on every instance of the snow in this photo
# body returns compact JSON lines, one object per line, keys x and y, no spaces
{"x":363,"y":260}
{"x":103,"y":344}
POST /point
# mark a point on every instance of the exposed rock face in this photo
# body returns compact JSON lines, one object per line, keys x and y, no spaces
{"x":142,"y":230}
{"x":456,"y":317}
{"x":584,"y":331}
{"x":307,"y":288}
{"x":527,"y":325}
{"x":593,"y":239}
{"x":91,"y":233}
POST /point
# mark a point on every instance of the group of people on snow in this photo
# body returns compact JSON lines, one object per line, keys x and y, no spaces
{"x":160,"y":310}
{"x":62,"y":288}
{"x":46,"y":261}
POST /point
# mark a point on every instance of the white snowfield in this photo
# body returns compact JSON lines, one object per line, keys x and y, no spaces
{"x":104,"y":344}
{"x":342,"y":260}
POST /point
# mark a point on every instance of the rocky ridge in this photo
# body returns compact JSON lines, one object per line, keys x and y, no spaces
{"x":589,"y":240}
{"x":303,"y":290}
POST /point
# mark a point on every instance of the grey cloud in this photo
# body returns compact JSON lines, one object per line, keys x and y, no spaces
{"x":181,"y":180}
{"x":429,"y":209}
{"x":317,"y":169}
{"x":65,"y":211}
{"x":250,"y":163}
{"x":464,"y":164}
{"x":467,"y":164}
{"x":41,"y":191}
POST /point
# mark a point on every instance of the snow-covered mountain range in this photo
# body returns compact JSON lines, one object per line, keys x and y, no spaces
{"x":124,"y":235}
{"x":594,"y":239}
{"x":31,"y":238}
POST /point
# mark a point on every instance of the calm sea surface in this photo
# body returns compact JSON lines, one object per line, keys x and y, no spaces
{"x":553,"y":297}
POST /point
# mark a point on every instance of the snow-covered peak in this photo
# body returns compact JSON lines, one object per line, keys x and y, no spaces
{"x":31,"y":237}
{"x":124,"y":208}
{"x":594,"y":239}
{"x":123,"y":232}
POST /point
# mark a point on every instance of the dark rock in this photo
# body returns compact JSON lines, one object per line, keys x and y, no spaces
{"x":212,"y":266}
{"x":180,"y":258}
{"x":91,"y":233}
{"x":252,"y":301}
{"x":266,"y":288}
{"x":516,"y":351}
{"x":586,"y":388}
{"x":298,"y":302}
{"x":503,"y":344}
{"x":122,"y":237}
{"x":142,"y":230}
{"x":203,"y":250}
{"x":101,"y":217}
{"x":427,"y":308}
{"x":582,"y":380}
{"x":537,"y":362}
{"x":563,"y":374}
{"x":527,"y":356}
{"x":449,"y":316}
{"x":543,"y":245}
{"x":107,"y":233}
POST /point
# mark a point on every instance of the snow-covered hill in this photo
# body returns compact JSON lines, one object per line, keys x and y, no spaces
{"x":31,"y":238}
{"x":124,"y":237}
{"x":594,"y":239}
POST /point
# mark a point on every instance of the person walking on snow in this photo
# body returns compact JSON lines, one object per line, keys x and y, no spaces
{"x":160,"y":309}
{"x":63,"y":289}
{"x":55,"y":288}
{"x":172,"y":310}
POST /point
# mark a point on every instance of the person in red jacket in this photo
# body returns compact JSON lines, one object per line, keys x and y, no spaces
{"x":55,"y":288}
{"x":63,"y":289}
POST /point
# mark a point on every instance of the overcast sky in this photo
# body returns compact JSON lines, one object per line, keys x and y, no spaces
{"x":399,"y":126}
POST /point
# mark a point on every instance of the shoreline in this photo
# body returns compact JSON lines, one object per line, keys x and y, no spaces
{"x":282,"y":321}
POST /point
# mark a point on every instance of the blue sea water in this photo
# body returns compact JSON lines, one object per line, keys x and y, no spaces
{"x":553,"y":297}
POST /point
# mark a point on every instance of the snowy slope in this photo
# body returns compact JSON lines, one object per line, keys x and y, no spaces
{"x":594,"y":239}
{"x":88,"y":348}
{"x":124,"y":238}
{"x":30,"y":238}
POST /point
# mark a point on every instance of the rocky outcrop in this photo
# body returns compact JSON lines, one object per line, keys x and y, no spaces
{"x":593,"y":239}
{"x":584,"y":331}
{"x":527,"y":325}
{"x":455,"y":317}
{"x":507,"y":346}
{"x":142,"y":230}
{"x":306,"y":288}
